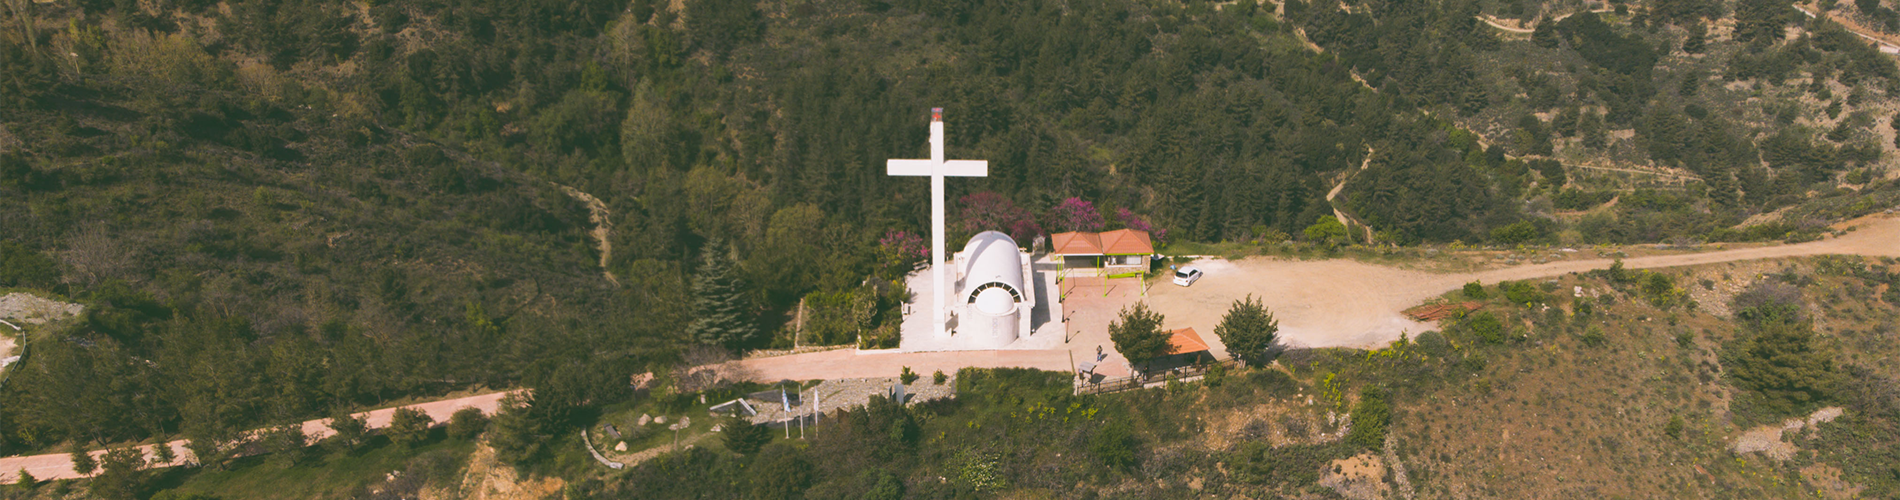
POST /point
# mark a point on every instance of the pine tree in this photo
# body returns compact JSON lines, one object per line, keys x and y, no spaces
{"x":1138,"y":334}
{"x":83,"y":463}
{"x":1697,"y":39}
{"x":719,"y":302}
{"x":1248,"y":330}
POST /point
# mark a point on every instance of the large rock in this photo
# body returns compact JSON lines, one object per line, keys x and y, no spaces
{"x":621,"y":447}
{"x":644,"y":419}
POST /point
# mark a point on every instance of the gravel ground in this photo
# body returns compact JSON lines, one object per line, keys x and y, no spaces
{"x":834,"y":395}
{"x":28,"y":308}
{"x":1333,"y":303}
{"x":1767,"y":439}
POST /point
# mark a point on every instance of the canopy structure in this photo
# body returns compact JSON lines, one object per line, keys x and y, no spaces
{"x":1185,"y":341}
{"x":1121,"y":253}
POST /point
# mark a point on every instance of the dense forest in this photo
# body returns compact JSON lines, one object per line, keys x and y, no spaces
{"x":274,"y":210}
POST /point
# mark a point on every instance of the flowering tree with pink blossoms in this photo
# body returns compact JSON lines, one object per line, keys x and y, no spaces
{"x":988,"y":211}
{"x":897,"y":251}
{"x":1135,"y":222}
{"x":1074,"y":214}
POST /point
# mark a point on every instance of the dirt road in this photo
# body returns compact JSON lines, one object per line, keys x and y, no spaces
{"x":1352,"y":304}
{"x":60,"y":465}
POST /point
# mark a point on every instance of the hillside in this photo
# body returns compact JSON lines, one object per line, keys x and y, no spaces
{"x":276,"y":211}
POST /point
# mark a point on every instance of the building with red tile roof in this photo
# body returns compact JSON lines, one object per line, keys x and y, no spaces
{"x":1117,"y":252}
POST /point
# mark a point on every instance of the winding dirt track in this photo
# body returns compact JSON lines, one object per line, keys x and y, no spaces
{"x":60,"y":465}
{"x":1344,"y":303}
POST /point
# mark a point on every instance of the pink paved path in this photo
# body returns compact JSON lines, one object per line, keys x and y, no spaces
{"x":850,"y":363}
{"x":60,"y":465}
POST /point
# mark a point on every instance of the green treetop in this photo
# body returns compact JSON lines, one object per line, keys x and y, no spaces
{"x":1248,"y":330}
{"x":719,"y":302}
{"x":1138,"y":335}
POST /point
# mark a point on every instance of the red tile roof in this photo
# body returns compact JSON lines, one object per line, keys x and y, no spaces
{"x":1185,"y":341}
{"x":1117,"y":242}
{"x":1075,"y":243}
{"x":1126,"y":242}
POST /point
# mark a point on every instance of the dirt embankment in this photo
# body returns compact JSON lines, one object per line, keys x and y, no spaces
{"x":603,"y":226}
{"x":488,"y":479}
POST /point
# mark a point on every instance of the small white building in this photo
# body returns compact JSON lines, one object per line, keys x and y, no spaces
{"x":995,"y":294}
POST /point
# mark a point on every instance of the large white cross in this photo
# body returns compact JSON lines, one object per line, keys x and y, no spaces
{"x":936,"y":167}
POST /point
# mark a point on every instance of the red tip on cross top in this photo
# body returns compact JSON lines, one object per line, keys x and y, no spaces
{"x":936,"y":114}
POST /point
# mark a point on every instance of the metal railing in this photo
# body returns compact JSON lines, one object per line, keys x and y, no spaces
{"x":1133,"y":382}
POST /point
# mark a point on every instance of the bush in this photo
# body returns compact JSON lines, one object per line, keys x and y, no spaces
{"x":744,"y":437}
{"x":1515,"y":233}
{"x":1475,"y":291}
{"x":1673,"y":429}
{"x":1114,"y":446}
{"x":1593,"y":336}
{"x":285,"y":444}
{"x":1487,"y":327}
{"x":1662,"y":292}
{"x":408,"y":427}
{"x":83,"y":463}
{"x":467,"y":423}
{"x":350,"y":431}
{"x":1523,"y":293}
{"x":907,"y":376}
{"x":938,"y":378}
{"x":1781,"y":365}
{"x":1369,"y":418}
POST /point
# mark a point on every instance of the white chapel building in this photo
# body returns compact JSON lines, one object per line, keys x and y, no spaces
{"x":995,"y":293}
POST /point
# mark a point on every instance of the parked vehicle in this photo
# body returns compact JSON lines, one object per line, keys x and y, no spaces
{"x":1187,"y":276}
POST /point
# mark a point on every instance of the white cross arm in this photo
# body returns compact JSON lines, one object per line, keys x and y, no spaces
{"x":951,"y":168}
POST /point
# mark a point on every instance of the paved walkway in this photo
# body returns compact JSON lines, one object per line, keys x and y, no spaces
{"x":852,"y":363}
{"x":60,"y":465}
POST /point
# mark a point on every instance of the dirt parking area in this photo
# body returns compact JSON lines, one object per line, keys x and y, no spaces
{"x":1345,"y":303}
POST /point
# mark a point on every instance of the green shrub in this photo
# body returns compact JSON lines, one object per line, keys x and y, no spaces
{"x":744,"y":437}
{"x":1515,"y":233}
{"x":1487,"y":327}
{"x":907,"y":376}
{"x":1523,"y":293}
{"x":1779,"y":362}
{"x":1662,"y":292}
{"x":1369,"y":418}
{"x":1673,"y":429}
{"x":938,"y":378}
{"x":408,"y":427}
{"x":1475,"y":291}
{"x":1593,"y":336}
{"x":1114,"y":445}
{"x":467,"y":423}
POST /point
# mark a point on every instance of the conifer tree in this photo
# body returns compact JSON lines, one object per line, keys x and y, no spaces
{"x":719,"y":302}
{"x":1138,"y":334}
{"x":1248,"y":330}
{"x":83,"y":463}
